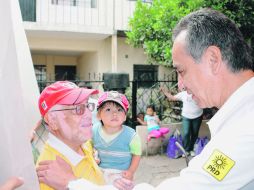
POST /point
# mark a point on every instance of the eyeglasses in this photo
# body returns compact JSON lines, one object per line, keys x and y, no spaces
{"x":79,"y":109}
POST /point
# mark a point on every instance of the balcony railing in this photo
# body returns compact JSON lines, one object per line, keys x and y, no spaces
{"x":100,"y":14}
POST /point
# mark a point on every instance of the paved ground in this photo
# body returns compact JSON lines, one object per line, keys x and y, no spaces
{"x":154,"y":169}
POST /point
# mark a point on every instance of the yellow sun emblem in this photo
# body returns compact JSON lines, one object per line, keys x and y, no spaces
{"x":219,"y":162}
{"x":218,"y":165}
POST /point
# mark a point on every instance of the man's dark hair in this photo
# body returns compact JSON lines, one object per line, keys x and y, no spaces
{"x":208,"y":27}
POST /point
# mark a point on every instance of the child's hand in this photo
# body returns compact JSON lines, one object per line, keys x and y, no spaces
{"x":139,"y":120}
{"x":127,"y":174}
{"x":163,"y":89}
{"x":158,"y":119}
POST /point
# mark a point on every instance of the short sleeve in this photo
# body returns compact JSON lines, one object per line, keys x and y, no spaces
{"x":135,"y":145}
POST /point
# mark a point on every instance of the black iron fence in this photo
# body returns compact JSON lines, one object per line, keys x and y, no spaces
{"x":141,"y":96}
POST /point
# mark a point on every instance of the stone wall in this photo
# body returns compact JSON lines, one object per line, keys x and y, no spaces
{"x":154,"y":144}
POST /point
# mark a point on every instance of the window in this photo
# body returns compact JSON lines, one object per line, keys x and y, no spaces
{"x":81,"y":3}
{"x":28,"y":10}
{"x":41,"y":76}
{"x":40,"y":72}
{"x":65,"y":72}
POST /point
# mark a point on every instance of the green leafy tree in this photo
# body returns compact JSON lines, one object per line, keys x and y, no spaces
{"x":151,"y":25}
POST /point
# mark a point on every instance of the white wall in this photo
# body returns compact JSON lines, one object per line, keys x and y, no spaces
{"x":104,"y":56}
{"x":92,"y":56}
{"x":80,"y":16}
{"x":164,"y":72}
{"x":51,"y":60}
{"x":62,"y":44}
{"x":123,"y":11}
{"x":66,"y":30}
{"x":88,"y":63}
{"x":128,"y":56}
{"x":108,"y":17}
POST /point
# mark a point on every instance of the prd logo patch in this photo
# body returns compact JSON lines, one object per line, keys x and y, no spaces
{"x":44,"y":105}
{"x":218,"y":165}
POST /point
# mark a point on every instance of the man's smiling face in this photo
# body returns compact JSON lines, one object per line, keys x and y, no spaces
{"x":194,"y":76}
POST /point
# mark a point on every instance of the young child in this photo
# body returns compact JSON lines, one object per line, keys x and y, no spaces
{"x":153,"y":124}
{"x":118,"y":146}
{"x":140,"y":117}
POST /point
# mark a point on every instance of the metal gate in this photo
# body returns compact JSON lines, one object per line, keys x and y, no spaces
{"x":140,"y":94}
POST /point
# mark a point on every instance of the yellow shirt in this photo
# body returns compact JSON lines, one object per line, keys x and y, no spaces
{"x":82,"y":166}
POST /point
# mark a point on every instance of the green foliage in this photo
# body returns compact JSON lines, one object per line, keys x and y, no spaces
{"x":151,"y":27}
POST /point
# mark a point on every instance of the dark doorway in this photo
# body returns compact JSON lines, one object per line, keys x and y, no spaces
{"x":65,"y":72}
{"x":146,"y":75}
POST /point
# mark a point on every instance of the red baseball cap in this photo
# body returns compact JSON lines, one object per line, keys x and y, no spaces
{"x":114,"y":96}
{"x":63,"y":93}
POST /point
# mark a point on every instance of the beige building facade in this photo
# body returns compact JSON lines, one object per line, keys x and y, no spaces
{"x":83,"y":36}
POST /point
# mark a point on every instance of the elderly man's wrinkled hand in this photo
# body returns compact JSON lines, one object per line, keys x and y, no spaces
{"x":123,"y":184}
{"x":55,"y":173}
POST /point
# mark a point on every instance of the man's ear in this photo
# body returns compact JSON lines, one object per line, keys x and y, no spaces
{"x":214,"y":58}
{"x":46,"y":118}
{"x":51,"y":119}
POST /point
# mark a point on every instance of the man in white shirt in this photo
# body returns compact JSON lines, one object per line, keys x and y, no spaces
{"x":191,"y":118}
{"x":215,"y":65}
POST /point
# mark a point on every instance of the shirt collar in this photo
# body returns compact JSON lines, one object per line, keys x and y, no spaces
{"x":233,"y":102}
{"x":65,"y":150}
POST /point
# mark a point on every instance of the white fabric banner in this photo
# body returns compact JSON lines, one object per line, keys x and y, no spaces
{"x":18,"y":98}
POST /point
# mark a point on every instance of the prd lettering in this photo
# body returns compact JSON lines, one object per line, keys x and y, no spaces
{"x":213,"y":170}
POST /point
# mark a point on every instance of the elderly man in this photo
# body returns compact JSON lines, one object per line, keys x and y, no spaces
{"x":67,"y":113}
{"x":214,"y":64}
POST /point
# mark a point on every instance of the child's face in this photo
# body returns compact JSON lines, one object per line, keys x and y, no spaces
{"x":149,"y":111}
{"x":111,"y":114}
